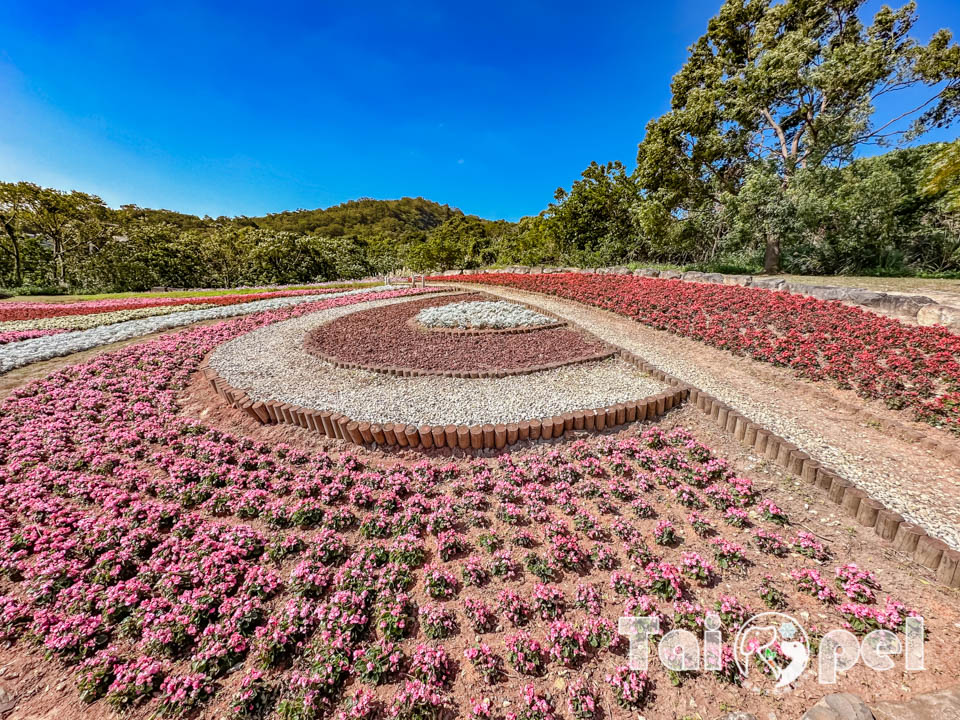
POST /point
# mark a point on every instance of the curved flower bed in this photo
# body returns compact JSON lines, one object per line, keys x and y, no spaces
{"x":481,"y":315}
{"x":59,"y":344}
{"x":916,"y":368}
{"x":384,"y":339}
{"x":35,"y":310}
{"x":171,"y":565}
{"x":84,"y":322}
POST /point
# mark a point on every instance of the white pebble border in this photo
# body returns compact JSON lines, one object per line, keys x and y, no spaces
{"x":271,"y":363}
{"x":922,"y":507}
{"x":85,"y":322}
{"x":18,"y":354}
{"x":481,"y":314}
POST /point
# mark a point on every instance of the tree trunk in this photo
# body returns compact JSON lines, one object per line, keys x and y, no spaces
{"x":59,"y":264}
{"x":15,"y":244}
{"x":771,"y":256}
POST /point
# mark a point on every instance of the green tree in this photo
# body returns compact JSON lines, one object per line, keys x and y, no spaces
{"x":942,"y":176}
{"x":793,"y":84}
{"x":592,"y":223}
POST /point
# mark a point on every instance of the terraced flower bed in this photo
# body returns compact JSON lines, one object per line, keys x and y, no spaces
{"x":913,"y":368}
{"x":174,"y":567}
{"x":91,"y":320}
{"x":386,"y":338}
{"x":34,"y":310}
{"x":56,"y":344}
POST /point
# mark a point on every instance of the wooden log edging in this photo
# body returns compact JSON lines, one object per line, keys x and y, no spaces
{"x":469,"y":438}
{"x":889,"y":526}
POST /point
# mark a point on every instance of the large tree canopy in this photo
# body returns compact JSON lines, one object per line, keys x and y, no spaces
{"x":794,"y":85}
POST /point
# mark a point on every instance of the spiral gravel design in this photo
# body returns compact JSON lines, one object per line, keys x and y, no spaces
{"x":272,"y":364}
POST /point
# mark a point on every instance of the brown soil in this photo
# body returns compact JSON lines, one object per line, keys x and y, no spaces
{"x":384,"y":337}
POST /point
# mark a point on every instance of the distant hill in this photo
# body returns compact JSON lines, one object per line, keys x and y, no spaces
{"x":364,"y":217}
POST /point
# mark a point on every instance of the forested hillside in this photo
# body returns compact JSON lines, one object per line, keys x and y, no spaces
{"x":766,"y":162}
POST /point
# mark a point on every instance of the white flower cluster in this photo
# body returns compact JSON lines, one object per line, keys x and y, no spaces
{"x":22,"y":353}
{"x":85,"y":322}
{"x":481,"y":314}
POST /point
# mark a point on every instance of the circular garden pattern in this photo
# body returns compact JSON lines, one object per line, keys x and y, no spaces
{"x":179,"y":568}
{"x":391,"y":339}
{"x":370,"y":369}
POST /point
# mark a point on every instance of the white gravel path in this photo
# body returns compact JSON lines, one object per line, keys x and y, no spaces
{"x":271,"y":364}
{"x":926,"y":496}
{"x":14,"y":355}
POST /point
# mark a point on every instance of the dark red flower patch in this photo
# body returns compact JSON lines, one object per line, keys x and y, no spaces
{"x":915,"y":368}
{"x":384,"y":337}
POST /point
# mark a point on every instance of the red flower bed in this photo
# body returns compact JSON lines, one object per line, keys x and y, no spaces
{"x":383,"y":337}
{"x":36,"y":310}
{"x":881,"y":358}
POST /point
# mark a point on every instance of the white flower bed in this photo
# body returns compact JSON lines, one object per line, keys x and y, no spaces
{"x":85,"y":322}
{"x":481,"y":314}
{"x":17,"y":354}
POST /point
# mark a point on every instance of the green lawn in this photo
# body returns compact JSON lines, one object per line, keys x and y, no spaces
{"x":178,"y":293}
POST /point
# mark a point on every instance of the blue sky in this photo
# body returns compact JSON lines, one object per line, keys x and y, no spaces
{"x":246,"y":108}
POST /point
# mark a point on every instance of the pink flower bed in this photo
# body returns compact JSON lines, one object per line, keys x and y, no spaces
{"x":917,"y":368}
{"x":164,"y":560}
{"x":35,"y":310}
{"x":18,"y":335}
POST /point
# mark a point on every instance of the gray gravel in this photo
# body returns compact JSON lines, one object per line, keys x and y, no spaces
{"x":925,"y":500}
{"x":14,"y":355}
{"x":271,"y":364}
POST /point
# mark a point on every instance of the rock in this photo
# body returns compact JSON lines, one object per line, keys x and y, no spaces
{"x":821,"y":292}
{"x":937,"y":705}
{"x":839,"y":706}
{"x":694,"y":276}
{"x":738,"y":715}
{"x":770,"y":283}
{"x":907,"y":306}
{"x":647,"y":272}
{"x":865,"y":297}
{"x":7,"y":702}
{"x":742,"y":280}
{"x":670,"y":274}
{"x":935,"y":314}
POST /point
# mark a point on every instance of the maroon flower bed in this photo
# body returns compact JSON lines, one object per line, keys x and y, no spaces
{"x":916,"y":368}
{"x":383,"y":337}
